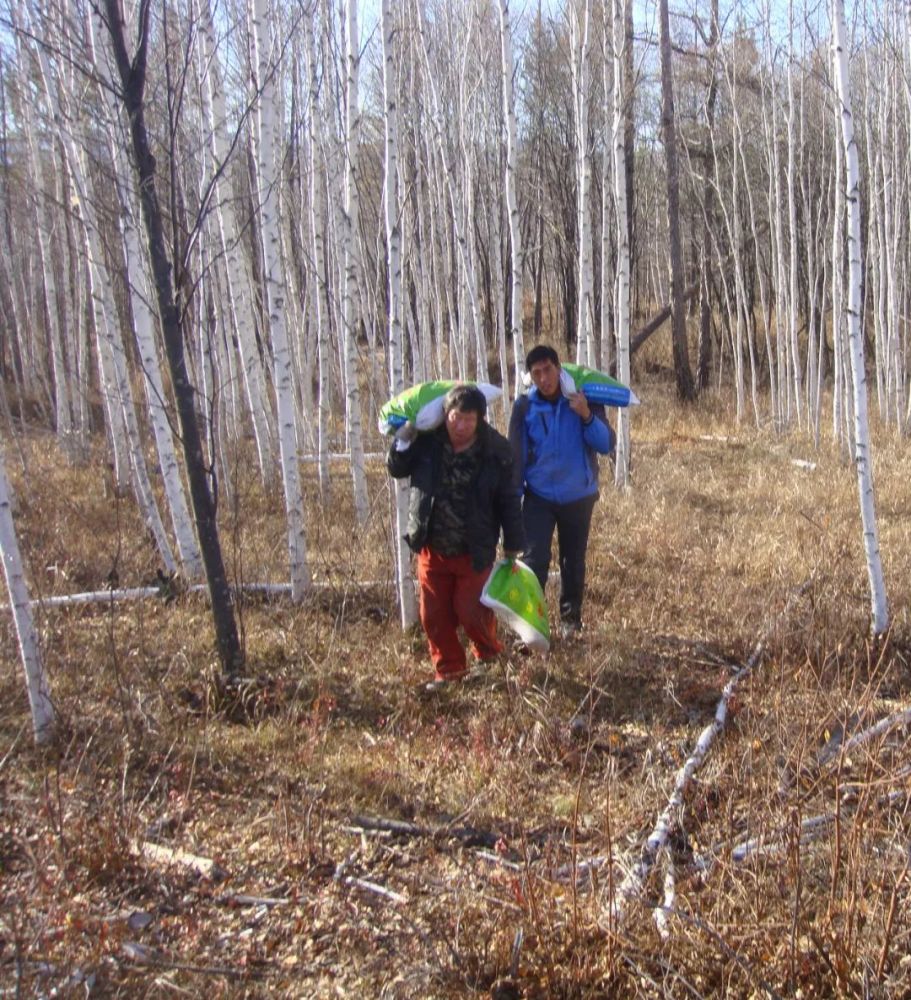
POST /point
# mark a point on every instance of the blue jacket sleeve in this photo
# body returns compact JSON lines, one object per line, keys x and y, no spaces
{"x":599,"y":435}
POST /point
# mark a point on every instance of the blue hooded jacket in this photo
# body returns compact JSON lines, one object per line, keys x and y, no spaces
{"x":555,"y":455}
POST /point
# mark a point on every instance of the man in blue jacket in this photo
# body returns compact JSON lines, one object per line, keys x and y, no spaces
{"x":556,"y":440}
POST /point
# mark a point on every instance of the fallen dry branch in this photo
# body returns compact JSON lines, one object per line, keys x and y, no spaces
{"x":167,"y":593}
{"x":754,"y":977}
{"x":633,"y":883}
{"x":468,"y":835}
{"x":159,"y":854}
{"x":365,"y":884}
{"x":882,"y":727}
{"x":839,"y":744}
{"x":139,"y":954}
{"x":670,"y":895}
{"x":811,"y":829}
{"x":373,"y":887}
{"x":241,"y":899}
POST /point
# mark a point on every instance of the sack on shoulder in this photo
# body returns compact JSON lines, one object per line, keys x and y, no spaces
{"x":422,"y":405}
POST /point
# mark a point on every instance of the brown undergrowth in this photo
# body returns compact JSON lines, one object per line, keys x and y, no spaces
{"x":370,"y":840}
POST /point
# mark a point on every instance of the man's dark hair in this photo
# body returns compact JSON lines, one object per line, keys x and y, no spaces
{"x":543,"y":352}
{"x":466,"y":399}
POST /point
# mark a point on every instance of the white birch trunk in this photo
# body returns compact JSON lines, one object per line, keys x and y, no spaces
{"x":862,"y":456}
{"x":239,"y":304}
{"x":457,"y":205}
{"x":780,"y":387}
{"x":427,"y":297}
{"x":469,"y":254}
{"x":269,"y":185}
{"x":608,"y":204}
{"x":792,"y":171}
{"x":620,"y":98}
{"x":317,"y":205}
{"x":581,"y":77}
{"x":737,"y":309}
{"x":838,"y":339}
{"x":498,"y":280}
{"x":140,"y":290}
{"x":100,"y":297}
{"x":43,"y":716}
{"x":110,"y":345}
{"x":407,"y":602}
{"x":44,"y":229}
{"x":512,"y":206}
{"x":352,"y":267}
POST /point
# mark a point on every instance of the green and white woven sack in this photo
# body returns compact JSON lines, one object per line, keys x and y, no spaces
{"x":422,"y":405}
{"x":513,"y":592}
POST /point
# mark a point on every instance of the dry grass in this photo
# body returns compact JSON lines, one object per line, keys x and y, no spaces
{"x":509,"y":783}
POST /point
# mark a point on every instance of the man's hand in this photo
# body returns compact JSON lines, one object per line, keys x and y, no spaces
{"x":405,"y":435}
{"x":579,"y":405}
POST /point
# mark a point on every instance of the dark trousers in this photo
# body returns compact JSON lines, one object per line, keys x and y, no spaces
{"x":572,"y":521}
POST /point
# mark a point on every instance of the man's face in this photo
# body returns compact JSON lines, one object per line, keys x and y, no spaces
{"x":462,"y":427}
{"x":546,"y":377}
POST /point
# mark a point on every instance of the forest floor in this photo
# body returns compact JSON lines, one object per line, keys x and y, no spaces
{"x":332,"y":830}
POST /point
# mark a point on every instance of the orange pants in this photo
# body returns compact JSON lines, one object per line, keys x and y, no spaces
{"x":450,"y":597}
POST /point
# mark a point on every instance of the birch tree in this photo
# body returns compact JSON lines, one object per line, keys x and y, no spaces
{"x":618,"y":150}
{"x":271,"y":143}
{"x":317,"y":214}
{"x":100,"y":295}
{"x":350,"y":324}
{"x":129,"y":454}
{"x":581,"y":62}
{"x":791,"y":181}
{"x":239,"y":310}
{"x":392,"y":213}
{"x":131,"y":70}
{"x":45,"y":226}
{"x":43,"y":715}
{"x":517,"y":263}
{"x":862,"y":455}
{"x":684,"y":376}
{"x":138,"y":290}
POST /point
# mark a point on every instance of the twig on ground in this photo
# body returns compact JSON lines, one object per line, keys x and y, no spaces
{"x":139,"y":954}
{"x":516,"y":953}
{"x":386,"y":825}
{"x":468,"y":835}
{"x":753,"y":976}
{"x":241,"y":899}
{"x":879,"y":729}
{"x":374,"y":887}
{"x":159,"y":854}
{"x":632,"y":885}
{"x":670,"y":896}
{"x":365,"y":884}
{"x":13,"y":746}
{"x":496,"y":859}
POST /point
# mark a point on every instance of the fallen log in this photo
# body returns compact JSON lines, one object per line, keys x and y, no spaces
{"x":468,"y":835}
{"x":658,"y":320}
{"x":634,"y":882}
{"x":160,"y":854}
